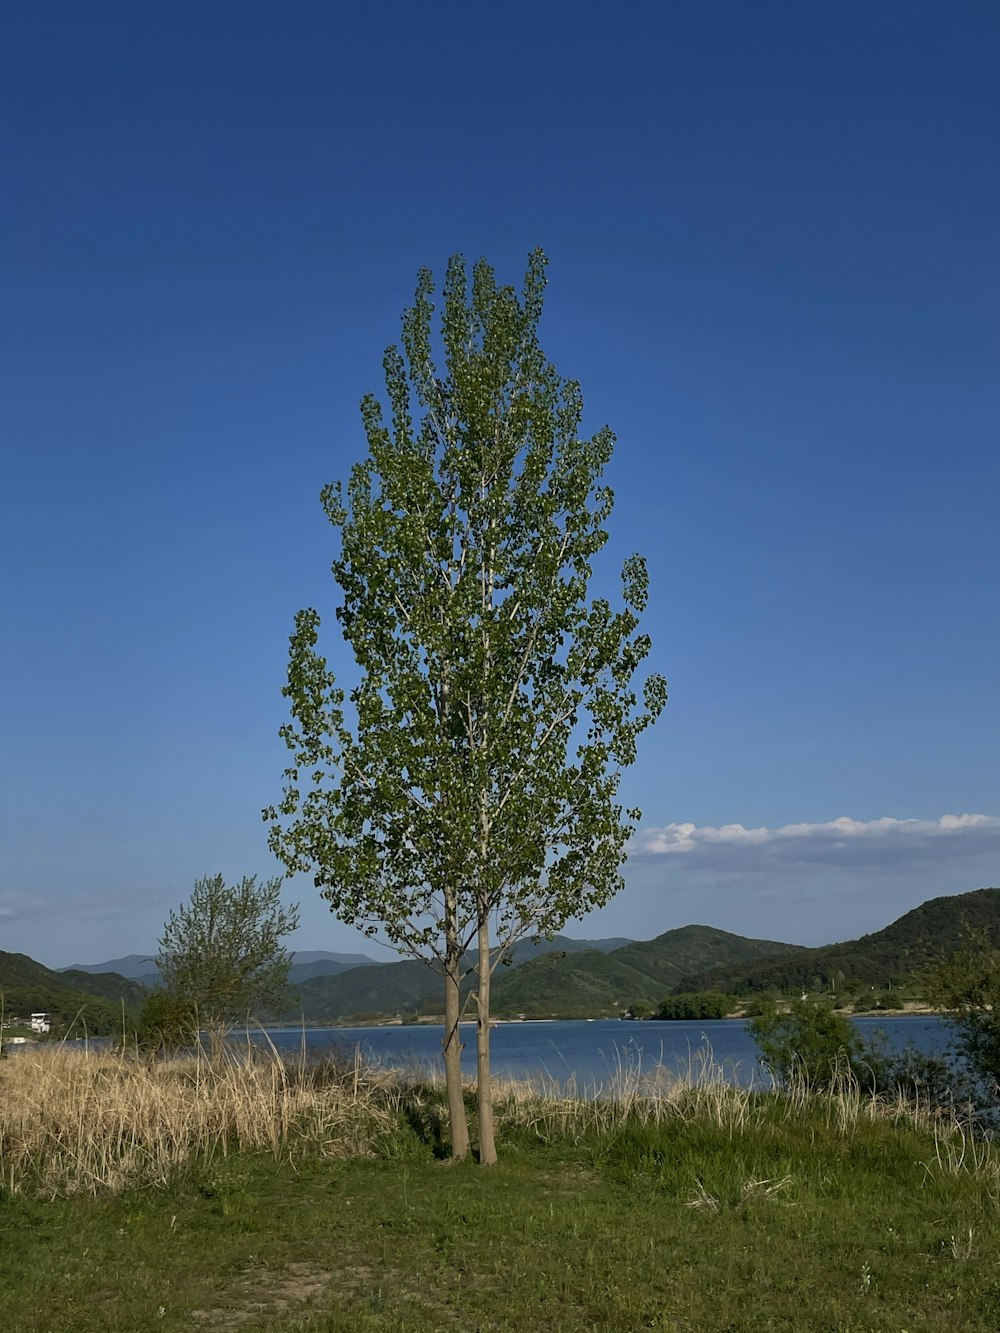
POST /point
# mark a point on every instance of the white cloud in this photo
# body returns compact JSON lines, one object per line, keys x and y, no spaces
{"x":18,"y":906}
{"x":842,"y":841}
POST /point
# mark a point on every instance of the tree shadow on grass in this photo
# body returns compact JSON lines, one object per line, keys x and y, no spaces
{"x":426,"y":1117}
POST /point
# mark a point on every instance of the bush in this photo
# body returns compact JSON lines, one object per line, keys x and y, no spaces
{"x":167,"y":1023}
{"x":812,"y":1042}
{"x":870,"y":1000}
{"x":818,"y":1045}
{"x":925,"y":1079}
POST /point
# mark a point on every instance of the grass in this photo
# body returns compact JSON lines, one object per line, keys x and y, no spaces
{"x":264,"y":1195}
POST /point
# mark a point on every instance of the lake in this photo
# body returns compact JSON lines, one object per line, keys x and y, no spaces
{"x":592,"y":1053}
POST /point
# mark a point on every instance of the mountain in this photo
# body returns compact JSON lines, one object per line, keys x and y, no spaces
{"x":334,"y":987}
{"x":564,"y":977}
{"x":381,"y":990}
{"x":525,"y":950}
{"x":133,"y":965}
{"x":568,"y":985}
{"x":590,"y":983}
{"x":670,"y":956}
{"x":307,"y":963}
{"x":322,"y":967}
{"x":935,"y":928}
{"x":409,"y":987}
{"x":108,"y":985}
{"x":305,"y":956}
{"x":94,"y":1001}
{"x":561,"y":977}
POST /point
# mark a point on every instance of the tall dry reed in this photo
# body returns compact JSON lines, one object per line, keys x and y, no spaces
{"x":635,"y":1092}
{"x":85,"y":1121}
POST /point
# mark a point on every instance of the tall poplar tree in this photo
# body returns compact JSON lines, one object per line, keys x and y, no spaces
{"x":464,"y":795}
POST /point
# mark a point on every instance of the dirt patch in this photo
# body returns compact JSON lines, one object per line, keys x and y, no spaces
{"x":363,"y":1286}
{"x":264,"y":1293}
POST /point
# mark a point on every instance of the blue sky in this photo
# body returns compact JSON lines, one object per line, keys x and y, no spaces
{"x":772,"y":233}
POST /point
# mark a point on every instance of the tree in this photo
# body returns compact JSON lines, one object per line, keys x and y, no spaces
{"x":471,"y":798}
{"x":221,"y":953}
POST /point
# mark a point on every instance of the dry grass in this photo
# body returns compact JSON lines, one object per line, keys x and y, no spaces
{"x":847,"y":1104}
{"x":87,"y":1121}
{"x":633,"y":1094}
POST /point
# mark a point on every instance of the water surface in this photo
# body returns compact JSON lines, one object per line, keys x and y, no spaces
{"x":592,"y":1054}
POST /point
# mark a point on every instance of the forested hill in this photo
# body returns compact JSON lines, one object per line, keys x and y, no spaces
{"x":94,"y":1001}
{"x":593,"y":984}
{"x":409,"y":988}
{"x":935,"y":928}
{"x":673,"y":954}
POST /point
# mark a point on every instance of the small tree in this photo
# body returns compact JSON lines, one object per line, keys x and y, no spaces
{"x":966,"y":986}
{"x":221,"y":954}
{"x":471,"y":799}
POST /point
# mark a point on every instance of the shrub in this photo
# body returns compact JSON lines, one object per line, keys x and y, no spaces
{"x":167,"y":1023}
{"x":813,"y":1042}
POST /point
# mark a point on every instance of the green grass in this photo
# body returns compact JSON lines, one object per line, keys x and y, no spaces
{"x":784,"y":1216}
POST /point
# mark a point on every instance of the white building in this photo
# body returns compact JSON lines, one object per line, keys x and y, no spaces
{"x":40,"y":1023}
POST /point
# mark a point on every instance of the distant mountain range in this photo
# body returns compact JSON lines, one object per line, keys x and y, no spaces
{"x":555,"y":978}
{"x":307,"y":963}
{"x":596,"y":984}
{"x":571,"y":978}
{"x":562,"y":977}
{"x":410,"y":988}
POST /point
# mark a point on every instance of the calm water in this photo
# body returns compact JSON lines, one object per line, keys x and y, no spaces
{"x":587,"y":1053}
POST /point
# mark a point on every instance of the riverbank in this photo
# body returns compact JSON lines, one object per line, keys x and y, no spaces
{"x":282,"y":1198}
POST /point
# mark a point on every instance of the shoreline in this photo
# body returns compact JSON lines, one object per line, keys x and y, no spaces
{"x":910,"y":1010}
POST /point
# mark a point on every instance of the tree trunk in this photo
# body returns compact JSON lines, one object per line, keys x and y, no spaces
{"x":452,"y":1043}
{"x":484,"y":1084}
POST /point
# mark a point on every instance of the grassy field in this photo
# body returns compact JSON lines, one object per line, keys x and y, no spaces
{"x":275,"y":1197}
